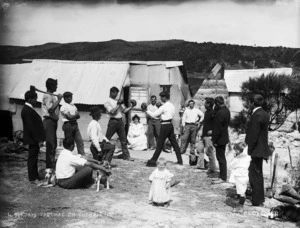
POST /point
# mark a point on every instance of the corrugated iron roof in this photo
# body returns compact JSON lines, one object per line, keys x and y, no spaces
{"x":90,"y":82}
{"x":235,"y":78}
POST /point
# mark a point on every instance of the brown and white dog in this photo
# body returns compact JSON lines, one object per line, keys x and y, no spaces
{"x":50,"y":179}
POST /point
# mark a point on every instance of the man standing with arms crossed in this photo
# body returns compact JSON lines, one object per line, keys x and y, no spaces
{"x":166,"y":113}
{"x":50,"y":110}
{"x":153,"y":124}
{"x":257,"y":140}
{"x":220,"y":137}
{"x":115,"y":108}
{"x":190,"y":118}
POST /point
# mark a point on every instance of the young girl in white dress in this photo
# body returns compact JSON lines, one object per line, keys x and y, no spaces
{"x":239,"y":173}
{"x":160,"y":179}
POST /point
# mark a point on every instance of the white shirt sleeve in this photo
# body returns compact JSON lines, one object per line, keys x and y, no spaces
{"x":94,"y":136}
{"x":157,"y":113}
{"x":77,"y":161}
{"x":108,"y":106}
{"x":183,"y":118}
{"x":201,"y":114}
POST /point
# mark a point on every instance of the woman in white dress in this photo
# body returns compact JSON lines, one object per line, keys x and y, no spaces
{"x":136,"y":135}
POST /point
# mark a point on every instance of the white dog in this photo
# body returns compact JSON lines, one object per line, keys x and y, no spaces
{"x":50,"y":178}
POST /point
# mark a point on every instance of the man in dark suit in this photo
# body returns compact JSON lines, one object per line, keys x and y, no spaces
{"x":34,"y":134}
{"x":220,"y":137}
{"x":257,"y":140}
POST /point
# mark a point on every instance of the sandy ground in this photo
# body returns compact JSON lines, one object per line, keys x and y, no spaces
{"x":195,"y":202}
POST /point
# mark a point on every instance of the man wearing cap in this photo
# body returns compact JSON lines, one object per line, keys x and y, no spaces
{"x":115,"y":108}
{"x":34,"y":134}
{"x":100,"y":147}
{"x":70,"y":116}
{"x":220,"y":137}
{"x":166,"y":113}
{"x":50,"y":111}
{"x":190,"y":119}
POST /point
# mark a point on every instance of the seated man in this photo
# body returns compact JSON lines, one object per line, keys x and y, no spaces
{"x":101,"y":149}
{"x":76,"y":171}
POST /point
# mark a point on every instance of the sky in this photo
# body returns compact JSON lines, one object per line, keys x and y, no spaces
{"x":242,"y":22}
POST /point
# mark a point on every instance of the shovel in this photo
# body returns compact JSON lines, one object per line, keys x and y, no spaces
{"x":270,"y":191}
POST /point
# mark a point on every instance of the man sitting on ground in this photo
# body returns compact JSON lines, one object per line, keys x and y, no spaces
{"x":76,"y":171}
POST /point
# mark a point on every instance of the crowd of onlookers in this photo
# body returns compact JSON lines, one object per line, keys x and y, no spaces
{"x":75,"y":171}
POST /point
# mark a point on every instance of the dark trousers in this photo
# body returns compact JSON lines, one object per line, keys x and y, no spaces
{"x":153,"y":131}
{"x":190,"y":133}
{"x":166,"y":131}
{"x":81,"y":179}
{"x":117,"y":126}
{"x":50,"y":127}
{"x":106,"y":154}
{"x":220,"y":154}
{"x":256,"y":180}
{"x":32,"y":162}
{"x":72,"y":131}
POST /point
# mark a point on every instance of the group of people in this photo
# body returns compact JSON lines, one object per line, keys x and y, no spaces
{"x":75,"y":171}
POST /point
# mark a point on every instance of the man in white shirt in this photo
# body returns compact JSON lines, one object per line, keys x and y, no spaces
{"x":76,"y":171}
{"x":153,"y":124}
{"x":115,"y":108}
{"x":70,"y":116}
{"x":100,"y":147}
{"x":50,"y":111}
{"x":166,"y":113}
{"x":190,"y":120}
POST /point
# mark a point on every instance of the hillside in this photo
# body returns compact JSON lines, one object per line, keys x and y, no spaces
{"x":198,"y":57}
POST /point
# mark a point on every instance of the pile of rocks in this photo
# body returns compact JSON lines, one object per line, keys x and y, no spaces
{"x":279,"y":139}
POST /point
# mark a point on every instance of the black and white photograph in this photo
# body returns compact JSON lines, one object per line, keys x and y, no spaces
{"x":150,"y":113}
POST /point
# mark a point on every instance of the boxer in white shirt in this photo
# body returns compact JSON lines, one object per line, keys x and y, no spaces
{"x":115,"y":108}
{"x":166,"y":113}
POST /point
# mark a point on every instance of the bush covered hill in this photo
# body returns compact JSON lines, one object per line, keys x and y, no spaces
{"x":197,"y":57}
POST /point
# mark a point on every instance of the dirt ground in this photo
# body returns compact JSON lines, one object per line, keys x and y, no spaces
{"x":195,"y":202}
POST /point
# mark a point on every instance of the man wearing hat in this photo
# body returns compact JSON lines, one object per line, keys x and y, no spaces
{"x":50,"y":111}
{"x":166,"y":113}
{"x":100,"y":147}
{"x":70,"y":116}
{"x":220,"y":137}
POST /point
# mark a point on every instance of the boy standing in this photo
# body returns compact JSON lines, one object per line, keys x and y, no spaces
{"x":100,"y":146}
{"x":70,"y":116}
